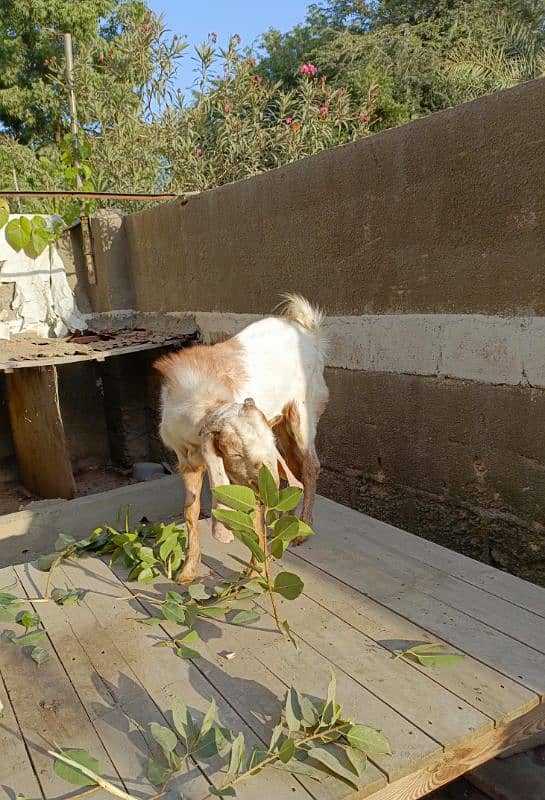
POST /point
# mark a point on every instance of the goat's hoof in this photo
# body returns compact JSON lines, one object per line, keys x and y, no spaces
{"x":184,"y":578}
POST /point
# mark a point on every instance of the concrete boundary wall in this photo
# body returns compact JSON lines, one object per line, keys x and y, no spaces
{"x":497,"y":350}
{"x":425,"y":246}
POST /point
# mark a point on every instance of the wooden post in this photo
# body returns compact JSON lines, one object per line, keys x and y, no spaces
{"x":38,"y":432}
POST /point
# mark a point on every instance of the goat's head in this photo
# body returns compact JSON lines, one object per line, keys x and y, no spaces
{"x":236,"y":442}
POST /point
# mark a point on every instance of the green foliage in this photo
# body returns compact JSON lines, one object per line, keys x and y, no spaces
{"x":252,"y":514}
{"x":146,"y":550}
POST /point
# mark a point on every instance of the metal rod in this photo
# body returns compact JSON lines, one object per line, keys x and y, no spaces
{"x":136,"y":196}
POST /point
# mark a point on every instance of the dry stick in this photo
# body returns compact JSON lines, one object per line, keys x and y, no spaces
{"x":104,"y":784}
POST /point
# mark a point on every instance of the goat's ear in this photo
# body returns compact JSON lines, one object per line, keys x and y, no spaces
{"x":272,"y":423}
{"x":217,"y":477}
{"x":285,"y":472}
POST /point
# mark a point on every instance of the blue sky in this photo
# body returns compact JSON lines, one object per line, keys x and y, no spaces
{"x":248,"y":19}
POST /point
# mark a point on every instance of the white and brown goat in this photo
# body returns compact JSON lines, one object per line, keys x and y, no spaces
{"x":220,"y":404}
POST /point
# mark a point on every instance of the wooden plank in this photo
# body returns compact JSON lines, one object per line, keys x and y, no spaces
{"x":95,"y":355}
{"x":114,"y":699}
{"x":462,"y":759}
{"x":17,"y":774}
{"x":48,"y":709}
{"x":428,"y":705}
{"x":496,"y":612}
{"x":492,"y":693}
{"x":38,"y":433}
{"x":501,"y":584}
{"x":375,"y":574}
{"x":162,"y":674}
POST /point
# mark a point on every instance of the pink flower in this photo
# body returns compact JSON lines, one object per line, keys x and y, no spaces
{"x":363,"y":117}
{"x":237,"y":38}
{"x":324,"y":112}
{"x":198,"y":152}
{"x":213,"y":37}
{"x":256,"y":80}
{"x":308,"y":69}
{"x":288,"y":120}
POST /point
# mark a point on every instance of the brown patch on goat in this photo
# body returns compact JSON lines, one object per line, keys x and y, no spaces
{"x":286,"y":431}
{"x":223,"y":361}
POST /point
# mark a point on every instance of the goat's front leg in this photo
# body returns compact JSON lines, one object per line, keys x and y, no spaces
{"x":192,"y":480}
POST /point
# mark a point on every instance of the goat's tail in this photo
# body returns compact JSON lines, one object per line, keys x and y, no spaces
{"x":296,"y":308}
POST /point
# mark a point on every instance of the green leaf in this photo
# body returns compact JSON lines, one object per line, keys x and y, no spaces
{"x":357,"y":759}
{"x":167,"y":547}
{"x":288,"y":585}
{"x":39,"y":238}
{"x":288,"y":499}
{"x":186,"y":652}
{"x":7,"y":636}
{"x":296,"y":767}
{"x":146,"y":575}
{"x":333,"y":764}
{"x":292,"y":709}
{"x":251,"y":542}
{"x":164,"y":737}
{"x":234,"y":519}
{"x":18,"y":232}
{"x":183,"y":721}
{"x":246,"y":564}
{"x":209,"y":719}
{"x":198,"y":591}
{"x":72,"y":774}
{"x":189,"y":638}
{"x":286,"y":751}
{"x":6,"y":599}
{"x":44,"y":563}
{"x":238,"y":755}
{"x":176,"y":596}
{"x":213,"y":612}
{"x":241,"y":498}
{"x":157,"y":773}
{"x":229,"y":791}
{"x":257,"y":757}
{"x":276,"y":735}
{"x":268,"y":490}
{"x":308,"y":711}
{"x":246,"y":617}
{"x":173,"y":611}
{"x":151,"y":621}
{"x":4,"y":212}
{"x":9,"y":613}
{"x":58,"y":595}
{"x":424,"y":655}
{"x":286,"y":529}
{"x":191,"y":612}
{"x":368,"y":740}
{"x":39,"y":655}
{"x":439,"y":659}
{"x":64,"y":541}
{"x":29,"y":638}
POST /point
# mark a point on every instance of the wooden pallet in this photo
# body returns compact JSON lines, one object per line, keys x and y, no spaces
{"x":369,"y":590}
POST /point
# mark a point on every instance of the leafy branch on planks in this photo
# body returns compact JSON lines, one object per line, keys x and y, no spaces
{"x":252,"y":517}
{"x":312,"y":739}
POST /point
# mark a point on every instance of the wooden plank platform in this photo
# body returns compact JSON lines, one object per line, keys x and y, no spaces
{"x":369,"y":590}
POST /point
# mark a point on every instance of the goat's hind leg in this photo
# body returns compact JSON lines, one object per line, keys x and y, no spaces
{"x":192,"y":480}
